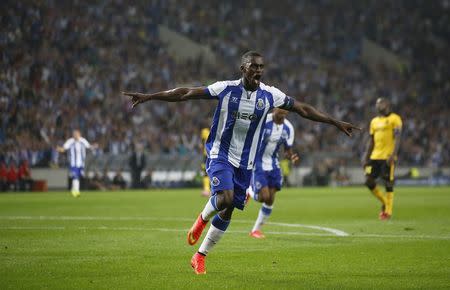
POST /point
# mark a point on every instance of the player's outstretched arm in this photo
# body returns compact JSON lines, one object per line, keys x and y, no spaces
{"x":311,"y":113}
{"x":60,"y":149}
{"x":174,"y":95}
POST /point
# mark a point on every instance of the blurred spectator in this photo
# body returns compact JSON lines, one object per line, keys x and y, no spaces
{"x":96,"y":182}
{"x":118,"y":180}
{"x":3,"y":177}
{"x":147,"y":179}
{"x":24,"y":176}
{"x":12,"y":177}
{"x":65,"y":62}
{"x":137,"y":164}
{"x":105,"y":180}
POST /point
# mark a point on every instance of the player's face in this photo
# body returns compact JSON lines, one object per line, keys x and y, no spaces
{"x":253,"y":71}
{"x":76,"y":134}
{"x":382,"y":106}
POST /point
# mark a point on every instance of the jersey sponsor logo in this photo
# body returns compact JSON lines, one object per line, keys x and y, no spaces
{"x":260,"y":104}
{"x":244,"y":116}
{"x":215,"y":181}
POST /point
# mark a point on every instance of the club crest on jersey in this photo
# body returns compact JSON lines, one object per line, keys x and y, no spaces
{"x":215,"y":181}
{"x":258,"y":185}
{"x":260,"y":104}
{"x":234,"y":100}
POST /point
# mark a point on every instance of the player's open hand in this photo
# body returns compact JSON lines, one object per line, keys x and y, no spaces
{"x":347,"y":128}
{"x":136,"y":98}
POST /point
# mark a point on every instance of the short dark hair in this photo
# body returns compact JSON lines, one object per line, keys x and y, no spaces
{"x":248,"y":55}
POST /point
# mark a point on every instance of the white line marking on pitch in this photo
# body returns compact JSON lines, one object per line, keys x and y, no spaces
{"x":330,"y":230}
{"x":231,"y":231}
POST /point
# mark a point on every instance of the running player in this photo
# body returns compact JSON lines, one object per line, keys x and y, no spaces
{"x":235,"y":135}
{"x":267,"y":177}
{"x":76,"y":146}
{"x":381,"y":154}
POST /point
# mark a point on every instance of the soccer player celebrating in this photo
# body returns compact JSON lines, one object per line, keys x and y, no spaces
{"x":235,"y":136}
{"x":267,"y":178}
{"x":76,"y":146}
{"x":379,"y":159}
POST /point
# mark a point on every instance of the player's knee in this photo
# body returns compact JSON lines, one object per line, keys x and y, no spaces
{"x":370,"y":183}
{"x":271,"y":199}
{"x":264,"y":194}
{"x":226,"y":198}
{"x":389,"y":186}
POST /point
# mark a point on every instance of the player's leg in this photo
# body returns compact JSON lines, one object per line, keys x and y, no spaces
{"x":75,"y":173}
{"x":372,"y":171}
{"x":263,"y":213}
{"x":222,"y":197}
{"x":273,"y":179}
{"x":389,"y":178}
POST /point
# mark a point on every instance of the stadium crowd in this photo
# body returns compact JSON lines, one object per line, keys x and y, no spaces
{"x":64,"y":64}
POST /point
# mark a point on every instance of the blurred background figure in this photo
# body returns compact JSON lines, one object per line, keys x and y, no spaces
{"x":205,"y":180}
{"x":24,"y":175}
{"x":12,"y":181}
{"x":137,"y":164}
{"x":76,"y":148}
{"x":147,"y":179}
{"x":118,"y":180}
{"x":3,"y":176}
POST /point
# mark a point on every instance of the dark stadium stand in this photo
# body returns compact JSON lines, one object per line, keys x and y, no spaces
{"x":64,"y":64}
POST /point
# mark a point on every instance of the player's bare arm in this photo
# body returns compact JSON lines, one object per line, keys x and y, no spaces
{"x":311,"y":113}
{"x":60,"y":149}
{"x":393,"y":157}
{"x":174,"y":95}
{"x":369,"y":148}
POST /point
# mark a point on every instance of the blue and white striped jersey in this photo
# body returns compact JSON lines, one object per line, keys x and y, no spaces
{"x":238,"y":121}
{"x":274,"y":135}
{"x":77,"y":151}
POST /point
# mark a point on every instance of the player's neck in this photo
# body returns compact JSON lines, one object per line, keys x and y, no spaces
{"x":248,"y":86}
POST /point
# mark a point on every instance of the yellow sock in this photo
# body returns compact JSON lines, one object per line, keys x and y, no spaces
{"x":379,"y":194}
{"x":389,"y":202}
{"x":206,"y":184}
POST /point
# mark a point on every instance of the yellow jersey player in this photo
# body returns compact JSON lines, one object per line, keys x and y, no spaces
{"x":381,"y":154}
{"x":206,"y":184}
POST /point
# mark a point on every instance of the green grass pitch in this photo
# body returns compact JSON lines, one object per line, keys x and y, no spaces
{"x":137,"y":240}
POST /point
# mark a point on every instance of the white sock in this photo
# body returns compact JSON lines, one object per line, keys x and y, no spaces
{"x":211,"y":238}
{"x":76,"y":185}
{"x":210,"y":210}
{"x":263,"y":215}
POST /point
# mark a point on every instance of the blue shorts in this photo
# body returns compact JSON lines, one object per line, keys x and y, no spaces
{"x":262,"y":178}
{"x":76,"y":172}
{"x":225,"y":176}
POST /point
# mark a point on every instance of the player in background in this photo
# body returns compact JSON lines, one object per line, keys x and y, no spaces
{"x":205,"y":179}
{"x":267,"y":178}
{"x":232,"y":144}
{"x":76,"y":146}
{"x":381,"y":154}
